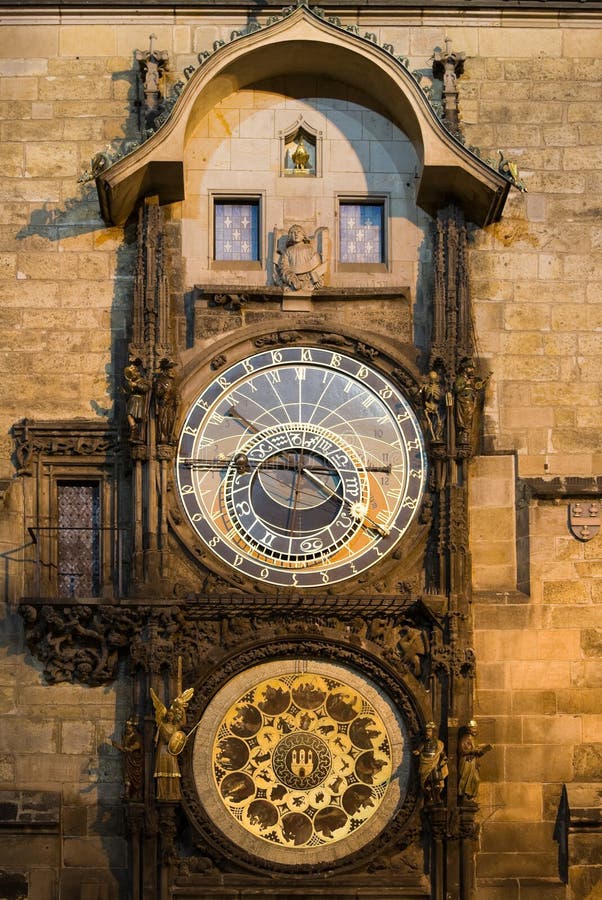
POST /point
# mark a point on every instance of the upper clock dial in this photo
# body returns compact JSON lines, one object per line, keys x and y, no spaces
{"x":301,"y":466}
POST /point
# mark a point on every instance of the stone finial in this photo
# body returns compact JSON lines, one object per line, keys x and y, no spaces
{"x":153,"y":65}
{"x":447,"y":67}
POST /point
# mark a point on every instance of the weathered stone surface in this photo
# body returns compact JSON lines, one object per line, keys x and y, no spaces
{"x":499,"y":889}
{"x":538,"y":763}
{"x":22,"y":808}
{"x":586,"y":882}
{"x":491,"y":865}
{"x":75,"y":821}
{"x":510,"y":837}
{"x":43,"y":884}
{"x":17,"y":853}
{"x":588,"y":762}
{"x":534,"y":702}
{"x":94,"y":852}
{"x":547,"y":889}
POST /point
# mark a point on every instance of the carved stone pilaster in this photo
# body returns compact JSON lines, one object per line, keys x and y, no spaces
{"x":468,"y":833}
{"x":152,"y":401}
{"x":436,"y":821}
{"x":454,"y":389}
{"x":168,"y":830}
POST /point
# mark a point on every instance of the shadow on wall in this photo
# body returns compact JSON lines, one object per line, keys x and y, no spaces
{"x":80,"y":852}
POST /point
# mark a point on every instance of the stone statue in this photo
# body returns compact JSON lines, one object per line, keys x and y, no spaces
{"x":412,"y":646}
{"x":137,"y":387}
{"x":167,"y":401}
{"x":432,"y":764}
{"x":133,"y":761}
{"x":299,"y":266}
{"x":467,"y":388}
{"x":170,"y":740}
{"x":432,"y":394}
{"x":469,"y":753}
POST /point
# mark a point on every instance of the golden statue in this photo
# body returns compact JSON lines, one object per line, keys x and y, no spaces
{"x":300,"y":157}
{"x":432,"y":768}
{"x":170,"y":740}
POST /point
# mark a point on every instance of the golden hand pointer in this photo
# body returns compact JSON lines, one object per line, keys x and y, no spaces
{"x":384,"y":532}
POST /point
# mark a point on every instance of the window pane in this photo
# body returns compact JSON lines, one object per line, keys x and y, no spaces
{"x":237,"y":230}
{"x":79,"y":539}
{"x":361,"y":237}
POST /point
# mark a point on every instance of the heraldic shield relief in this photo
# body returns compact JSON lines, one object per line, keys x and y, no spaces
{"x":305,"y":756}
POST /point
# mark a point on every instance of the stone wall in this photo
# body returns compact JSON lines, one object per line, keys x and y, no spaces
{"x":531,"y":87}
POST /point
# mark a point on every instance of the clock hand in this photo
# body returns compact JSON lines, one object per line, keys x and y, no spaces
{"x":296,"y":492}
{"x":384,"y":532}
{"x":241,"y":461}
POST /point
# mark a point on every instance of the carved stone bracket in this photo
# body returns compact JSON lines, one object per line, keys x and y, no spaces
{"x":230,"y":297}
{"x":83,"y":643}
{"x":79,"y":642}
{"x":68,"y":438}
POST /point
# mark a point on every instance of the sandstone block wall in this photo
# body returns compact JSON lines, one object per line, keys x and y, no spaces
{"x":532,"y":86}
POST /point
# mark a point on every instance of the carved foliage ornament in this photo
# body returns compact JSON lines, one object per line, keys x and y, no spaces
{"x":34,"y":439}
{"x":82,"y":643}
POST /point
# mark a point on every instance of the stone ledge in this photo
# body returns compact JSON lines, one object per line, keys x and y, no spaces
{"x":24,"y":810}
{"x":583,"y":806}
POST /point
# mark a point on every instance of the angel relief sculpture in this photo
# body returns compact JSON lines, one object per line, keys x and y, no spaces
{"x":170,"y":740}
{"x":300,"y":261}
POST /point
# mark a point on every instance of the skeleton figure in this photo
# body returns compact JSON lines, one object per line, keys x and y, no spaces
{"x":432,"y":394}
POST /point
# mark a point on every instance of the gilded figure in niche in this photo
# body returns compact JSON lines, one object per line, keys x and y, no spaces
{"x":300,"y":157}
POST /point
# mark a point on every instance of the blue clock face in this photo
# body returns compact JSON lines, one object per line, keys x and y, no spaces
{"x":301,"y":467}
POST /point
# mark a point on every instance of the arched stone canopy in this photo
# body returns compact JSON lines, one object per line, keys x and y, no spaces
{"x":303,"y":43}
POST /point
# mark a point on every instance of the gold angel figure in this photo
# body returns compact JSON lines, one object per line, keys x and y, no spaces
{"x":170,"y":740}
{"x":300,"y":157}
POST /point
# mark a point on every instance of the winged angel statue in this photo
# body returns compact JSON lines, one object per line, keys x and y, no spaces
{"x":170,"y":740}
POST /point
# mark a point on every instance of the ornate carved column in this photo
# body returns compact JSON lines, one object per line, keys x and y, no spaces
{"x":152,"y":397}
{"x":436,"y":816}
{"x":455,"y":409}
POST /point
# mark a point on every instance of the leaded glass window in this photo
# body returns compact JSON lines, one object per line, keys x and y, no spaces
{"x":79,"y":539}
{"x":361,"y":238}
{"x":236,"y":230}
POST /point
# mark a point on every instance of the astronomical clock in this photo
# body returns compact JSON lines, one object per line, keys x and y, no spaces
{"x":301,"y":466}
{"x":281,"y":552}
